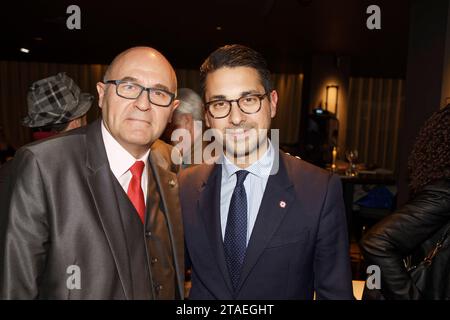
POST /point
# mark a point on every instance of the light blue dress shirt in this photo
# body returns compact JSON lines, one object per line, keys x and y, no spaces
{"x":254,"y":184}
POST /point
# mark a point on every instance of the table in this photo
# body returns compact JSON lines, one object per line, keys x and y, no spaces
{"x":348,"y":185}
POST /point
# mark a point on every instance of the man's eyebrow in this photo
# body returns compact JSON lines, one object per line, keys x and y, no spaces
{"x":243,"y":94}
{"x":162,"y":87}
{"x":156,"y":86}
{"x":218,"y":97}
{"x":246,"y":93}
{"x":129,"y":79}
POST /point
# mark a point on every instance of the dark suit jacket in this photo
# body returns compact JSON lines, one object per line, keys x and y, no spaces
{"x":62,"y":206}
{"x":294,"y":249}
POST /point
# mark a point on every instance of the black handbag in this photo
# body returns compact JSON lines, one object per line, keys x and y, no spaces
{"x":428,"y":274}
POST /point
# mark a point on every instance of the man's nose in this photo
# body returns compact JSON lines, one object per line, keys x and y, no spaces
{"x":142,"y":102}
{"x":236,"y":115}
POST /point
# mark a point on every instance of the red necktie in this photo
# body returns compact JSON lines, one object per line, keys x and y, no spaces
{"x":135,"y":192}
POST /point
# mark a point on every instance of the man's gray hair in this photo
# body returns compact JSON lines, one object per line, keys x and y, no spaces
{"x":190,"y":103}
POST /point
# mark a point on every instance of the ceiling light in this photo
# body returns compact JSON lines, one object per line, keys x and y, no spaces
{"x":24,"y":50}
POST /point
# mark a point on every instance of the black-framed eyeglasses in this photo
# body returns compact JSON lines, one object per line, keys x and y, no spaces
{"x":247,"y":104}
{"x":131,"y":90}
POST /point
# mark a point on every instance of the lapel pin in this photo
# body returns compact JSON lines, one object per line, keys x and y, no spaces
{"x":172,"y":183}
{"x":282,"y":204}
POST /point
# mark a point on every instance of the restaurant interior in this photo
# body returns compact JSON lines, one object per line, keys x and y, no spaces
{"x":356,"y":79}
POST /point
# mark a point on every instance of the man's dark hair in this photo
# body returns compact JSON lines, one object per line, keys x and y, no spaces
{"x":236,"y":55}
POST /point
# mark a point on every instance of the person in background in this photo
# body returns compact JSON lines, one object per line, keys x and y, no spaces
{"x":94,"y":213}
{"x":189,"y":117}
{"x":418,"y":225}
{"x":56,"y":104}
{"x":6,"y":150}
{"x":259,"y":224}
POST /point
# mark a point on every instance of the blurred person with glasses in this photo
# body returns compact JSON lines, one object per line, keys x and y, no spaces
{"x":94,"y":213}
{"x":185,"y":131}
{"x":259,"y":224}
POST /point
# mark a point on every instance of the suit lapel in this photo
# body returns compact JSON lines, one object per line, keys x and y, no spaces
{"x":100,"y":181}
{"x":278,"y":196}
{"x":209,"y":207}
{"x":166,"y":182}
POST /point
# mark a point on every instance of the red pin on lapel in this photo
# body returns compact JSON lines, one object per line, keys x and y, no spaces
{"x":282,"y":204}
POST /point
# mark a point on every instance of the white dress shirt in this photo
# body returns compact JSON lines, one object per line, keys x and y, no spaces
{"x":120,"y":162}
{"x":254,"y":184}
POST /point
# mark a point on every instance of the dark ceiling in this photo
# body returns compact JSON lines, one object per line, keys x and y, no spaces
{"x":287,"y":32}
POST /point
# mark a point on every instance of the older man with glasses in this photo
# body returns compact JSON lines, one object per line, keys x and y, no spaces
{"x":94,"y":214}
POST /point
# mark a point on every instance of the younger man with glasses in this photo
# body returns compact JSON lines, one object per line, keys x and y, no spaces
{"x":260,"y":224}
{"x":94,"y":213}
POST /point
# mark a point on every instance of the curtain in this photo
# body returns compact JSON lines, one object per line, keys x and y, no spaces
{"x":189,"y":79}
{"x":373,"y":119}
{"x":289,"y":88}
{"x":16,"y":77}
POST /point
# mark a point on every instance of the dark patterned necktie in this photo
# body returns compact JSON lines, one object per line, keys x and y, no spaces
{"x":235,"y":241}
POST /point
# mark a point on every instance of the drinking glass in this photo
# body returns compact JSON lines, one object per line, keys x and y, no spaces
{"x":352,"y":157}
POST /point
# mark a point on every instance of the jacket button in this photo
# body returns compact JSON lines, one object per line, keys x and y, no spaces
{"x":158,"y":287}
{"x":148,"y":234}
{"x":154,"y":260}
{"x":172,"y":183}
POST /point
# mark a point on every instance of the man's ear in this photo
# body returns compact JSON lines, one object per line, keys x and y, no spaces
{"x":175,"y":105}
{"x":101,"y":93}
{"x":73,"y":124}
{"x":273,"y":103}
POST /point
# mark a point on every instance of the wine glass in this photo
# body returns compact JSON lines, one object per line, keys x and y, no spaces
{"x":352,"y":157}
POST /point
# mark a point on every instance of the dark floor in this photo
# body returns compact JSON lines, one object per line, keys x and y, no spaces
{"x":357,"y":262}
{"x":359,"y":227}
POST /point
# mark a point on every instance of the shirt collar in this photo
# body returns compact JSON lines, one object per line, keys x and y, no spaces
{"x":260,"y":168}
{"x":120,"y":160}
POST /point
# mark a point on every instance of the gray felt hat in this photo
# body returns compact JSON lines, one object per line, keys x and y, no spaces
{"x":55,"y":100}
